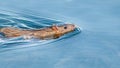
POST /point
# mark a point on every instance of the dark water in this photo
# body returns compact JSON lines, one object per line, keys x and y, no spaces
{"x":96,"y":46}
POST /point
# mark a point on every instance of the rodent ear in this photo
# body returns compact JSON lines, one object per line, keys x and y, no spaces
{"x":54,"y":27}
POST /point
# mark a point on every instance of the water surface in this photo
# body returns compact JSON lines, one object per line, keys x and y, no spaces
{"x":97,"y":46}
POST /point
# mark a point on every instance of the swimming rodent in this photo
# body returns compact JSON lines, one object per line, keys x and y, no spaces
{"x":52,"y":32}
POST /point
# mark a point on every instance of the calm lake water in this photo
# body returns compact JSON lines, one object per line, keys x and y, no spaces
{"x":94,"y":44}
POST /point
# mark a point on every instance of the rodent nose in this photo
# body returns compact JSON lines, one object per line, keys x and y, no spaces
{"x":73,"y":26}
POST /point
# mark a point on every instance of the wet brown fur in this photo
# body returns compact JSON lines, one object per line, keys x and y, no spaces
{"x":51,"y":32}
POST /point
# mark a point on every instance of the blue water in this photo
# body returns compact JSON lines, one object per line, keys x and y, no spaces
{"x":96,"y":46}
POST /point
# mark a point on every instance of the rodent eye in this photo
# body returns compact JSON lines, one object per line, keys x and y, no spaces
{"x":65,"y":27}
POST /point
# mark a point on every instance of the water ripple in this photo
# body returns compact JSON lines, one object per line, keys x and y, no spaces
{"x":9,"y":19}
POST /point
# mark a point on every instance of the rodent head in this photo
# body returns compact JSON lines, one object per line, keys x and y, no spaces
{"x":66,"y":28}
